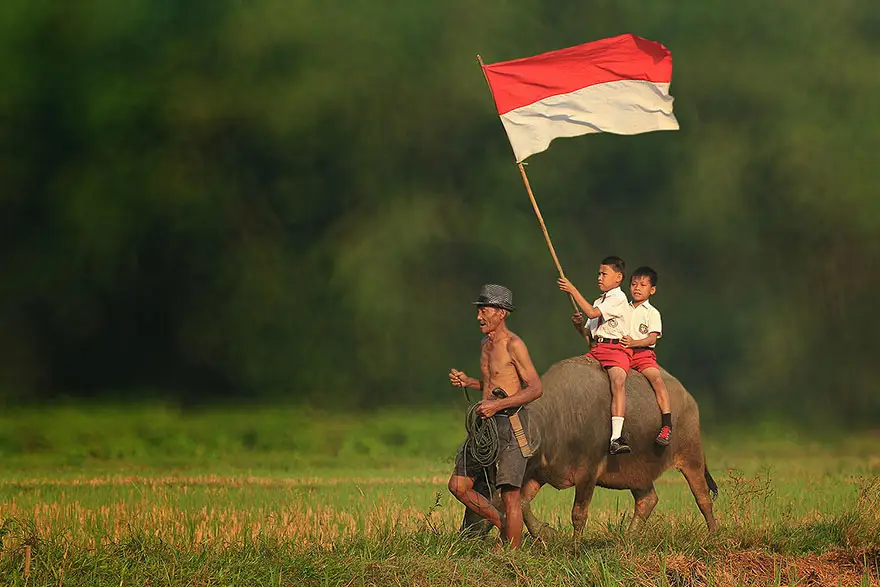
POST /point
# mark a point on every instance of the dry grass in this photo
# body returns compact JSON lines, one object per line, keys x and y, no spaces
{"x":370,"y":531}
{"x":791,"y":513}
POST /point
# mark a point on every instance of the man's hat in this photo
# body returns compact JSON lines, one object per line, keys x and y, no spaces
{"x":496,"y":296}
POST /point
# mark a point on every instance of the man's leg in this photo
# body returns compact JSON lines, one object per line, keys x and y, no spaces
{"x":656,"y":380}
{"x":512,"y":533}
{"x":618,"y":408}
{"x":463,"y":489}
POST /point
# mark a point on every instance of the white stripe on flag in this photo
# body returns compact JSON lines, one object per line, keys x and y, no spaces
{"x":624,"y":107}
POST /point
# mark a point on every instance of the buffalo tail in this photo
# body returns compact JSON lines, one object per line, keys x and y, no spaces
{"x":713,"y":487}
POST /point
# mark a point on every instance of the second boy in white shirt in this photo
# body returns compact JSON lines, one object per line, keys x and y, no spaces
{"x":645,"y":328}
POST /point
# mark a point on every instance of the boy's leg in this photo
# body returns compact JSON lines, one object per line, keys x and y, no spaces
{"x":512,"y":532}
{"x":463,"y":490}
{"x":656,"y":380}
{"x":618,"y":391}
{"x":618,"y":408}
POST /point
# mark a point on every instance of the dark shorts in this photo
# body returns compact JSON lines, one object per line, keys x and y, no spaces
{"x":511,"y":464}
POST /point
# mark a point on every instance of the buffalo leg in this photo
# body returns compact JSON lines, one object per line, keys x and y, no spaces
{"x":537,"y":528}
{"x":645,"y":499}
{"x":473,"y":524}
{"x":694,"y":473}
{"x":583,"y":493}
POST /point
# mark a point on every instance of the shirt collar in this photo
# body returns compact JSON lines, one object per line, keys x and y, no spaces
{"x":645,"y":304}
{"x":614,"y":292}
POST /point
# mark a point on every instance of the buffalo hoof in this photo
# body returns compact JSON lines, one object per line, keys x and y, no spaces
{"x":544,"y":532}
{"x":474,"y":528}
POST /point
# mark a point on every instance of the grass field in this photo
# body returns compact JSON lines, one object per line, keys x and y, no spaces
{"x":285,"y":497}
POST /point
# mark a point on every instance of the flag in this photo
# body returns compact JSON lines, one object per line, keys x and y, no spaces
{"x":618,"y":85}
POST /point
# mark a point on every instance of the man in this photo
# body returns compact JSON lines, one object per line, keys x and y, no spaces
{"x":505,"y":364}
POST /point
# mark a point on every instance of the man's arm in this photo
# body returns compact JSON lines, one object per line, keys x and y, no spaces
{"x":461,"y":379}
{"x":628,"y":342}
{"x":527,"y":374}
{"x":585,"y":306}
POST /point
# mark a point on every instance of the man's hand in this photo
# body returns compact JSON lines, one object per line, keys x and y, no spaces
{"x":578,"y":319}
{"x":488,"y":407}
{"x":565,"y":285}
{"x":458,"y":378}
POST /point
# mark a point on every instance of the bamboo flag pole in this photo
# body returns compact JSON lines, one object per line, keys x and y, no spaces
{"x":525,"y":178}
{"x":522,"y":171}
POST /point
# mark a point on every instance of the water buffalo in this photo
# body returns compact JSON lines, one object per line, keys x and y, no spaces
{"x":573,"y":418}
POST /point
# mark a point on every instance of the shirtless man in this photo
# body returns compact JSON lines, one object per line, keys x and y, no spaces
{"x":505,"y":364}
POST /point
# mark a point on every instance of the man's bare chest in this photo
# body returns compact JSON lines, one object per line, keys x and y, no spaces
{"x":498,"y":360}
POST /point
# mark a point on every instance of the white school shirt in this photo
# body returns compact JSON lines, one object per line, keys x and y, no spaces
{"x":616,"y":311}
{"x":645,"y":319}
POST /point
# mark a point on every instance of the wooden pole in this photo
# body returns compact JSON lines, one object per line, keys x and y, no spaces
{"x":27,"y":561}
{"x":525,"y":178}
{"x":522,"y":171}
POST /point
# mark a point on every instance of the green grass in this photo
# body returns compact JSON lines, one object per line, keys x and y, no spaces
{"x":289,"y":497}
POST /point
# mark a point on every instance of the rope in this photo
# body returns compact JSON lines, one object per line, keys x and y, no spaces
{"x":482,"y":441}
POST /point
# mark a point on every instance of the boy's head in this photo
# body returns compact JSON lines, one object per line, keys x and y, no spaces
{"x":611,"y":273}
{"x":643,"y":284}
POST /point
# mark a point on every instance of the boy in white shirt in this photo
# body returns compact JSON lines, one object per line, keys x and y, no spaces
{"x":609,"y":324}
{"x":645,"y":328}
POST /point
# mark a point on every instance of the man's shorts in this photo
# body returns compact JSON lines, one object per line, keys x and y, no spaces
{"x":611,"y":355}
{"x":644,"y":359}
{"x":511,"y":464}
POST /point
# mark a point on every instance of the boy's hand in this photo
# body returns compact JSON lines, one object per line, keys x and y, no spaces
{"x":626,"y":342}
{"x":578,"y":319}
{"x":565,"y":285}
{"x":458,"y":378}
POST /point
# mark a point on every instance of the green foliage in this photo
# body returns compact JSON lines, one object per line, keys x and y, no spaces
{"x":271,"y":199}
{"x":260,"y":437}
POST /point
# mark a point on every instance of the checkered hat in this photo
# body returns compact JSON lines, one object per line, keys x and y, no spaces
{"x":497,"y":296}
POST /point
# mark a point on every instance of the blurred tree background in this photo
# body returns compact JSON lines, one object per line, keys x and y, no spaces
{"x":296,"y":201}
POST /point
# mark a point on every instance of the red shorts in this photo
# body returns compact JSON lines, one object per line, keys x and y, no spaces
{"x":644,"y":359}
{"x":611,"y":355}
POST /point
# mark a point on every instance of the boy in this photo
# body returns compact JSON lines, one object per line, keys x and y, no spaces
{"x":645,"y":329}
{"x":609,"y":323}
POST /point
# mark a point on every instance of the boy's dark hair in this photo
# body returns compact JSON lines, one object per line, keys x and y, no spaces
{"x":615,"y":263}
{"x":645,"y":271}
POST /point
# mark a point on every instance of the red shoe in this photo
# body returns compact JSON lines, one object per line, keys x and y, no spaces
{"x":665,"y":436}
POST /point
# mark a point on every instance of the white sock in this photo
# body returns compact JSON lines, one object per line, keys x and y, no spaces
{"x":616,"y":426}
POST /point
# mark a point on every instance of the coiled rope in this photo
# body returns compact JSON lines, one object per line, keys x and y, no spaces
{"x":482,"y":438}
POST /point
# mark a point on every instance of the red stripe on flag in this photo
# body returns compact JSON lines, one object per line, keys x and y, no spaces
{"x":525,"y":81}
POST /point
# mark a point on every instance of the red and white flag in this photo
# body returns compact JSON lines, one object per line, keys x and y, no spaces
{"x":618,"y":85}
